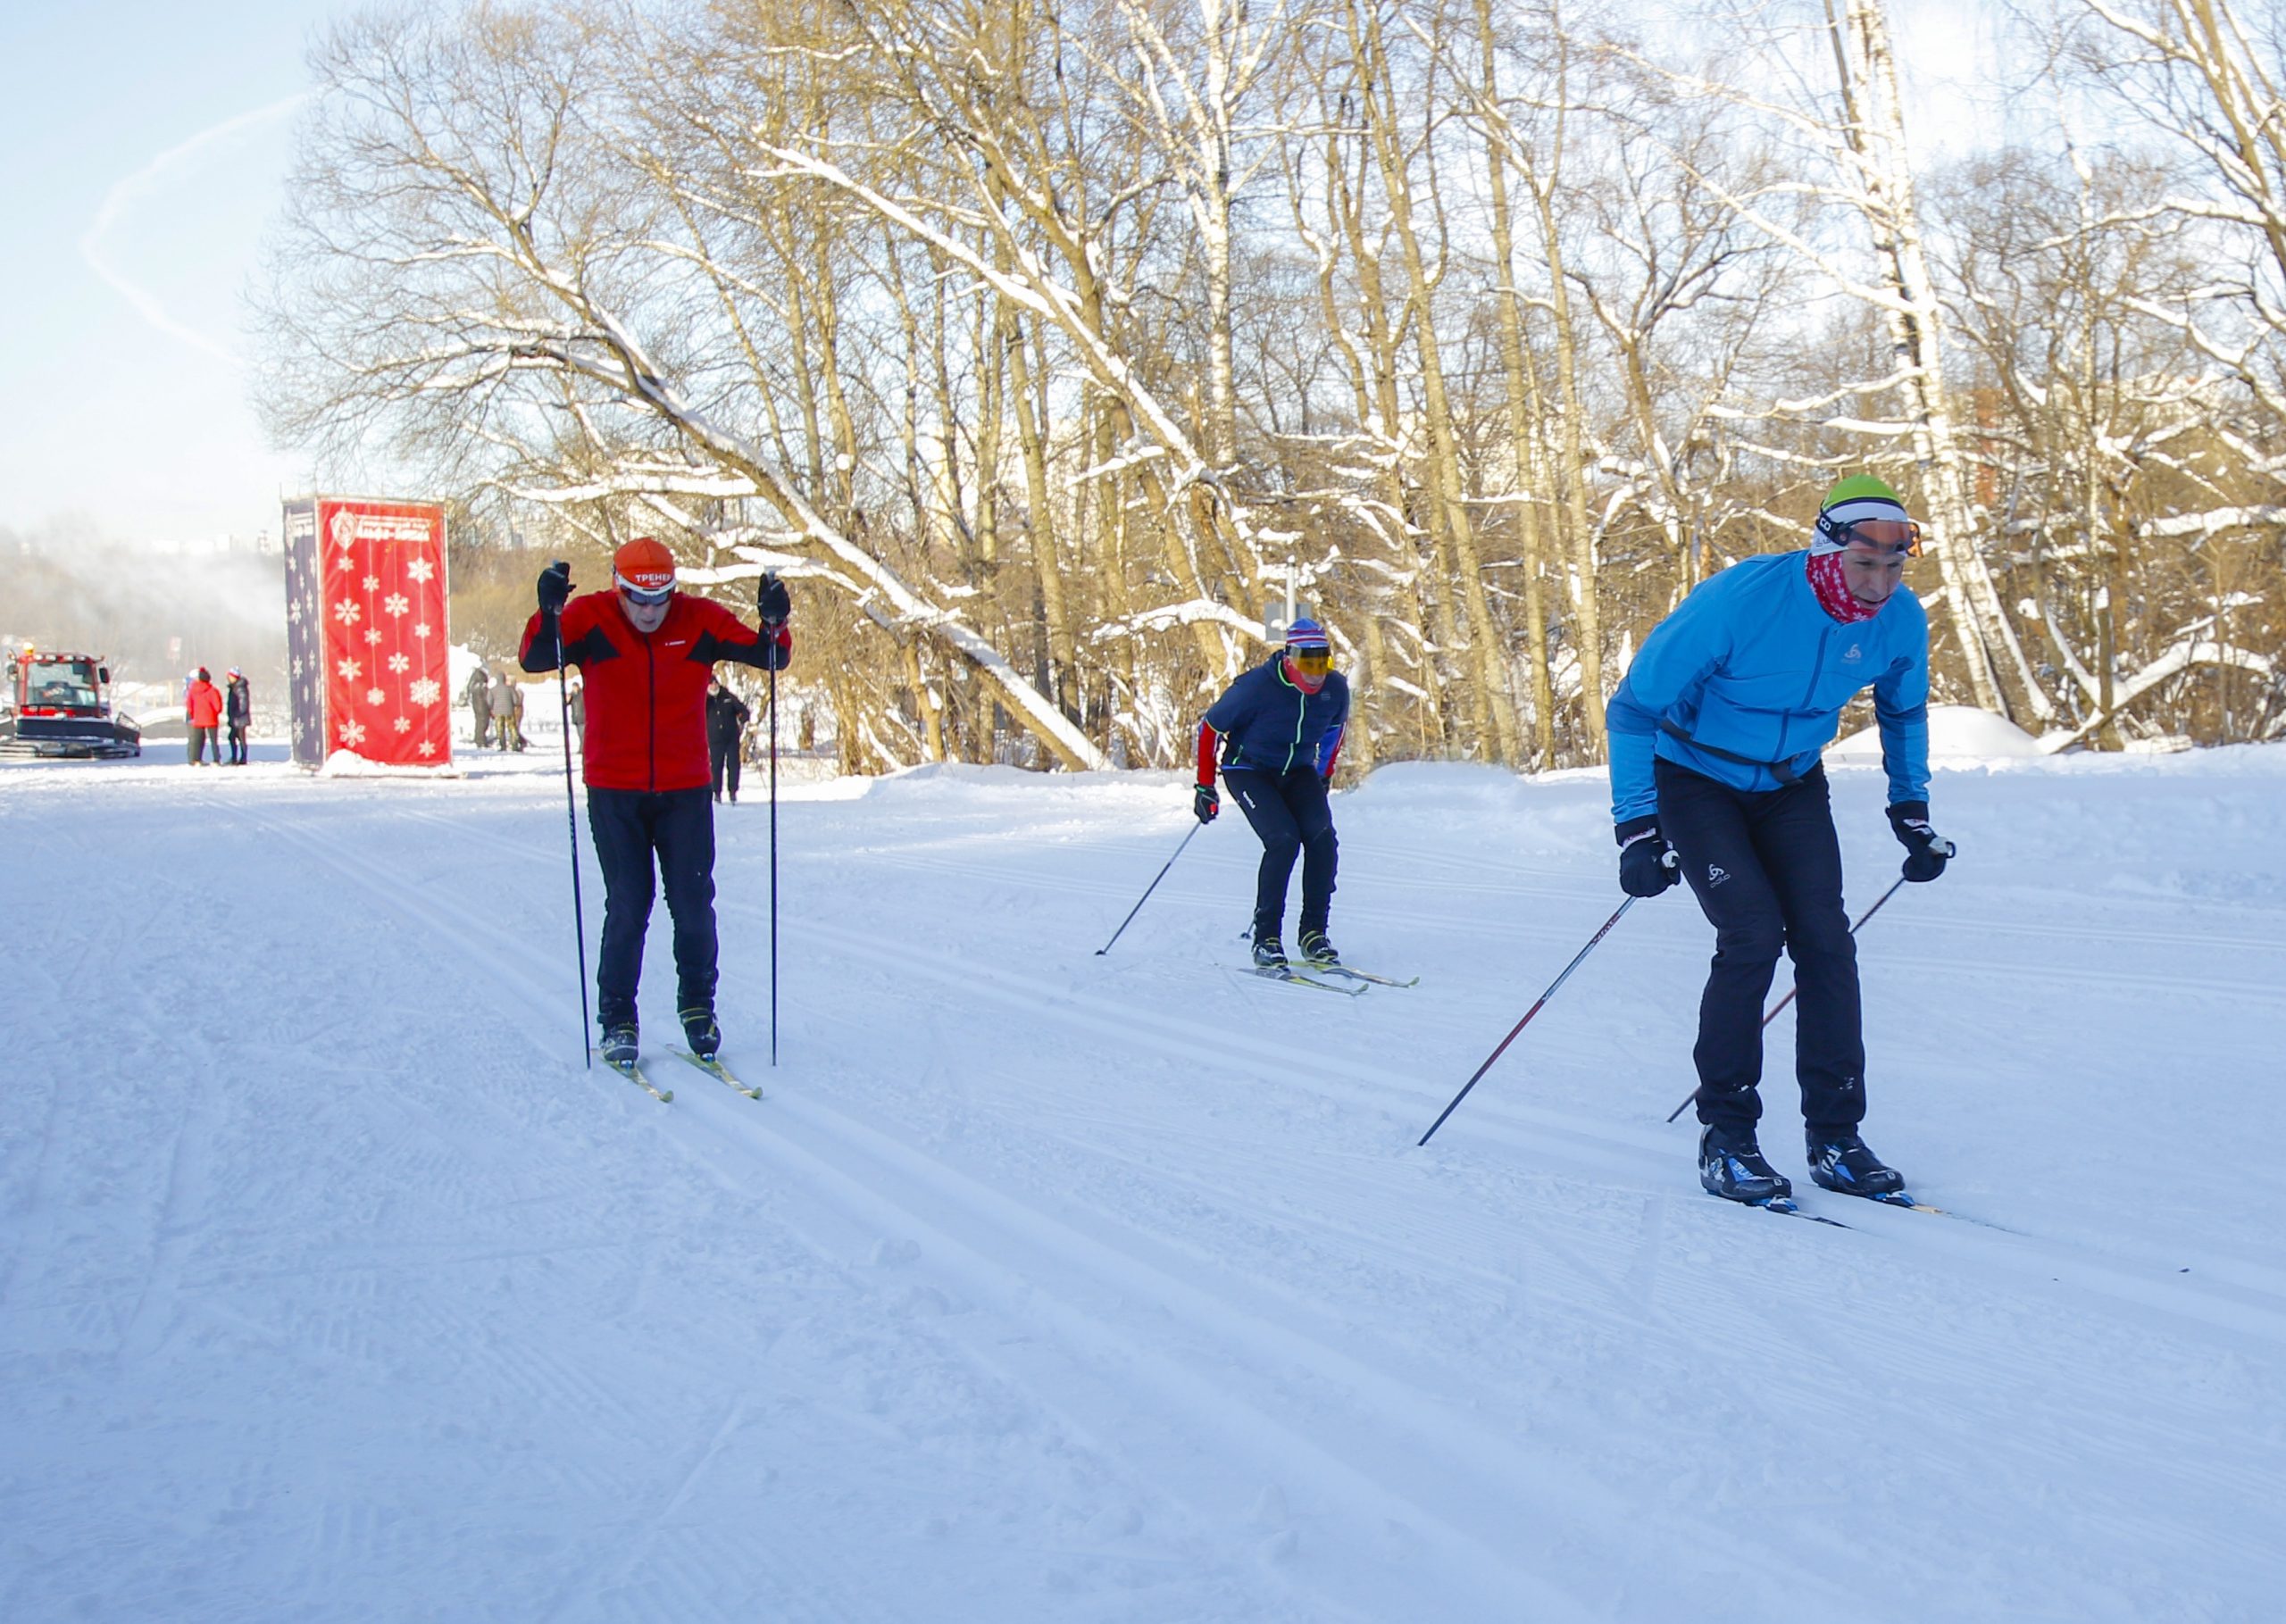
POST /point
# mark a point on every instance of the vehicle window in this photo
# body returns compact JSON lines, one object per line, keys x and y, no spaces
{"x":63,"y":684}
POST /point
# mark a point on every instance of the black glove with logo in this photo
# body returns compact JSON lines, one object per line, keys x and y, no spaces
{"x":1647,"y":864}
{"x":1926,"y":852}
{"x":1205,"y":802}
{"x":554,"y":586}
{"x":772,"y":600}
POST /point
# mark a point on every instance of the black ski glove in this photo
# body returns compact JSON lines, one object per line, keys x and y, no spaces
{"x":555,"y":587}
{"x":1926,"y":852}
{"x":1647,"y":864}
{"x":772,"y":600}
{"x":1205,"y":802}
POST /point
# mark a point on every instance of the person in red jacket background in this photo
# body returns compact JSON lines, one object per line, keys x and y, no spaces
{"x":646,"y":653}
{"x":203,"y":704}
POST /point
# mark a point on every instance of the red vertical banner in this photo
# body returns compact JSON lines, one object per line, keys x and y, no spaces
{"x":382,"y":608}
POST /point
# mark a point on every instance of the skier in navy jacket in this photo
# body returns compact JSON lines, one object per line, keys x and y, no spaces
{"x":1280,"y":729}
{"x":1715,"y":736}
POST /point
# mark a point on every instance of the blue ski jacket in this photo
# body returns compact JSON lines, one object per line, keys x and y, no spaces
{"x":1744,"y":684}
{"x":1268,"y":724}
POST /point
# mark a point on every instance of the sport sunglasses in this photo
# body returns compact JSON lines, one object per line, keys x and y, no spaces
{"x":1900,"y":535}
{"x":637,"y":594}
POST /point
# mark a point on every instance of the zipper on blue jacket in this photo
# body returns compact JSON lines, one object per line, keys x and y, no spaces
{"x":1817,"y":670}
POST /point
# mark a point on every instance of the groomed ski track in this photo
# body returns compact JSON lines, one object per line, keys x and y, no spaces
{"x":1047,"y":1286}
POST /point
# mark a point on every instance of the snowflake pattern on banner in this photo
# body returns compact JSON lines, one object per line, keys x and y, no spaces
{"x":377,"y":604}
{"x":304,"y":635}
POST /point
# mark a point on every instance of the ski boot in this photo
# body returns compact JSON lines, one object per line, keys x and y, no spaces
{"x":1840,"y":1162}
{"x":1269,"y":953}
{"x":621,"y":1045}
{"x":1731,"y":1165}
{"x":1317,"y":949}
{"x":700,"y":1032}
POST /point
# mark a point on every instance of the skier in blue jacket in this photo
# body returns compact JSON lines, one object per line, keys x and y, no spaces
{"x":1280,"y":729}
{"x":1716,"y":736}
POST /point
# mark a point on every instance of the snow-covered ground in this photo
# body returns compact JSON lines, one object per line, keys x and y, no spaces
{"x":1048,"y":1286}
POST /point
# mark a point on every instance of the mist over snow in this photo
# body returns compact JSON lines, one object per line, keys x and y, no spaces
{"x":65,"y":584}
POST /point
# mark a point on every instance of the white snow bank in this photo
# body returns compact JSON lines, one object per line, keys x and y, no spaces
{"x":1956,"y":733}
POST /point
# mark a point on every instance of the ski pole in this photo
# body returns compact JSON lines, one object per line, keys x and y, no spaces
{"x":1796,"y":987}
{"x":1146,"y":897}
{"x":571,"y":815}
{"x":771,"y":576}
{"x":1529,"y":1014}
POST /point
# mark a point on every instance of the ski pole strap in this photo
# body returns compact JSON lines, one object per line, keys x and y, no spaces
{"x":1783,"y":771}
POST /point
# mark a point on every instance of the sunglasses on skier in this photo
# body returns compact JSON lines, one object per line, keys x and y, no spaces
{"x":1901,"y":536}
{"x":634,"y":594}
{"x":1314,"y":661}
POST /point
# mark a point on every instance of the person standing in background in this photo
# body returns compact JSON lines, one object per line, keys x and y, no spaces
{"x":203,"y":705}
{"x":237,"y":709}
{"x":479,"y":704}
{"x":508,"y":712}
{"x":726,"y":722}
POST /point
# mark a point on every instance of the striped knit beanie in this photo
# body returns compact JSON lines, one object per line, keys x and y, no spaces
{"x":1305,"y":633}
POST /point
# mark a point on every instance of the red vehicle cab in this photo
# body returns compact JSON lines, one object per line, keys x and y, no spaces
{"x":59,"y":705}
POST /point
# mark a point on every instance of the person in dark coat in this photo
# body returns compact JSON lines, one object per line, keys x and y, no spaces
{"x":237,"y":712}
{"x":479,"y":704}
{"x":727,"y":716}
{"x":1280,"y":729}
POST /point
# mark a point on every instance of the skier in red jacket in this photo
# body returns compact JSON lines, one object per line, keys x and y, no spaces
{"x":646,"y":652}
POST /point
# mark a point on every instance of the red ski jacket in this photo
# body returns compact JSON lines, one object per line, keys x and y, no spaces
{"x":646,"y":696}
{"x":204,"y":704}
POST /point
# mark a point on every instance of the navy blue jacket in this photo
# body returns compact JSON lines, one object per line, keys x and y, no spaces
{"x":1269,"y":725}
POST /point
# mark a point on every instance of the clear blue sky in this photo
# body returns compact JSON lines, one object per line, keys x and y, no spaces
{"x":147,"y":145}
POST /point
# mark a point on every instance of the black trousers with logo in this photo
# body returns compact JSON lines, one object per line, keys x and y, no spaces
{"x":1766,"y":869}
{"x":633,"y":827}
{"x":1288,"y":811}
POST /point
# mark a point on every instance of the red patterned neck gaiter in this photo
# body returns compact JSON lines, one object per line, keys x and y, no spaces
{"x":1833,"y":588}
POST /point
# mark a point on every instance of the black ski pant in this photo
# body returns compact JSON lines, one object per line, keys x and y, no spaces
{"x":1288,"y":812}
{"x":202,"y":744}
{"x":237,"y":743}
{"x":722,"y":761}
{"x":631,"y":826}
{"x":1766,"y":869}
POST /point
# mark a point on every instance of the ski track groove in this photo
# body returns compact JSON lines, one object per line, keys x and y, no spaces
{"x":1367,"y":1085}
{"x":1183,"y":1387}
{"x":487,"y":942}
{"x":1003,"y":1249}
